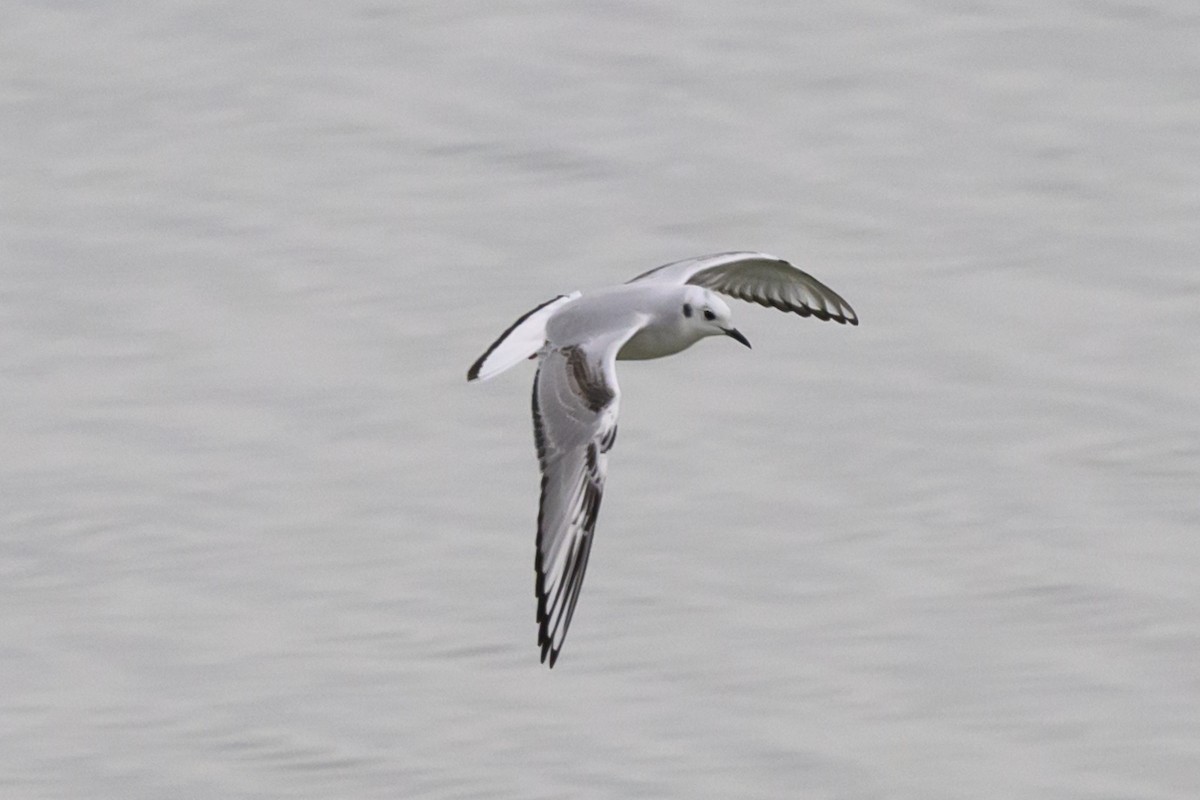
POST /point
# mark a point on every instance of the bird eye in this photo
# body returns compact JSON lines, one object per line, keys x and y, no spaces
{"x":709,"y":315}
{"x":687,"y":309}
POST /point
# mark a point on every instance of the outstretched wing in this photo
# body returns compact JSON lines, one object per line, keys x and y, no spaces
{"x":758,"y":278}
{"x":520,"y":341}
{"x":575,"y":401}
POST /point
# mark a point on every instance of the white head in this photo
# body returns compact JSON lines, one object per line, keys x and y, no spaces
{"x":703,"y":313}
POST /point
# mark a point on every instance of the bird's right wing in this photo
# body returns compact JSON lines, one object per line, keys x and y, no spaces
{"x":757,"y":278}
{"x":575,"y":403}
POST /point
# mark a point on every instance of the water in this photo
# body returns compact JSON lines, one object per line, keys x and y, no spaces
{"x":260,"y":538}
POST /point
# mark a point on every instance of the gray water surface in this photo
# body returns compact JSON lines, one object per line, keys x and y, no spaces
{"x":261,"y":539}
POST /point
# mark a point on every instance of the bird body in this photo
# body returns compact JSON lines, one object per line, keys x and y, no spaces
{"x":577,"y":339}
{"x":647,"y":309}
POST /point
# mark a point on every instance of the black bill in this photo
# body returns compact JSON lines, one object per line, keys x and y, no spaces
{"x":734,"y":333}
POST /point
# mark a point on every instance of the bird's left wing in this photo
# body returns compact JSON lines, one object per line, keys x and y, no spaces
{"x":758,"y":278}
{"x":575,"y":402}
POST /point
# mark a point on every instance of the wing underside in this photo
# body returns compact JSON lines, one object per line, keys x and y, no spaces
{"x":575,"y":405}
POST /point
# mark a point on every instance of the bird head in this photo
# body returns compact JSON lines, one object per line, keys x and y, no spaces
{"x":706,"y":314}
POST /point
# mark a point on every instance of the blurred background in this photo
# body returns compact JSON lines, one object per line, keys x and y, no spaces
{"x":259,"y":538}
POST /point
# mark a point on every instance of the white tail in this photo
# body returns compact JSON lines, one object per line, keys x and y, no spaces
{"x":523,"y":339}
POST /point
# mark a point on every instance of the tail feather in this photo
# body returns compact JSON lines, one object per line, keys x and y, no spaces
{"x":523,"y":339}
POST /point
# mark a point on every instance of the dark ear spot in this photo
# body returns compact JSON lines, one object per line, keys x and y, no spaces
{"x":687,"y":309}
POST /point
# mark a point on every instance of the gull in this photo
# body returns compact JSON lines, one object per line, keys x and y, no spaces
{"x":577,"y":339}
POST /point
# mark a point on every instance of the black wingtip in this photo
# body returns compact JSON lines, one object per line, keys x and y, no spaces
{"x":473,"y":372}
{"x":548,"y":652}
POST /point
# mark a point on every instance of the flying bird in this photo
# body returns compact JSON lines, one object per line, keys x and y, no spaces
{"x":577,"y":339}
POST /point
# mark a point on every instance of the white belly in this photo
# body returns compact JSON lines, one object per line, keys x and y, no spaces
{"x":655,"y":343}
